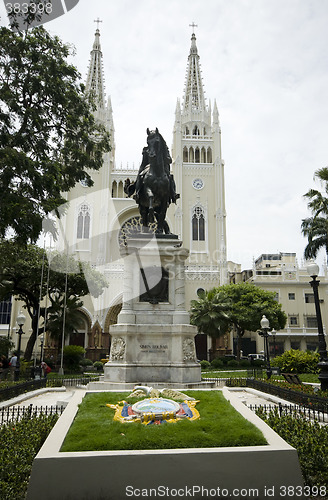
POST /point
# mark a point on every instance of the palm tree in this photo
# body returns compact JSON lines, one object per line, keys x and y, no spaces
{"x":315,"y":228}
{"x":211,"y":312}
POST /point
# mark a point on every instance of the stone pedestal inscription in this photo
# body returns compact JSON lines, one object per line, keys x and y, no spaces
{"x":153,"y":340}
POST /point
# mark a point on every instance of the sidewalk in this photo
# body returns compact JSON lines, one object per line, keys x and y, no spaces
{"x":58,"y":396}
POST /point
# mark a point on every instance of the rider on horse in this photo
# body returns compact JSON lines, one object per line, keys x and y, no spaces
{"x":138,"y":184}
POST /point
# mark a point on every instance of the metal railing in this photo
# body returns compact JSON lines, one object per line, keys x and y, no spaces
{"x":17,"y":413}
{"x":295,"y":411}
{"x":17,"y":389}
{"x":313,"y":402}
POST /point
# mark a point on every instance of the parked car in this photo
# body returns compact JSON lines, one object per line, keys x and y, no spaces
{"x":252,"y":357}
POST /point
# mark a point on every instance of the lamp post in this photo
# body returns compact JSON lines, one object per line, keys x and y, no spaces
{"x":313,"y":270}
{"x":273,"y":333}
{"x":21,"y":318}
{"x":264,"y":332}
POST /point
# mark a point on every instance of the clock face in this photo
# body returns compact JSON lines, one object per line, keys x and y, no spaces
{"x":197,"y":183}
{"x":83,"y":183}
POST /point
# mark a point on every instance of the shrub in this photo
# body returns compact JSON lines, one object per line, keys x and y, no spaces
{"x":245,"y":363}
{"x":295,"y":361}
{"x":98,"y":365}
{"x":310,"y":440}
{"x":233,"y":363}
{"x":20,"y":442}
{"x":204,"y":364}
{"x":72,"y":355}
{"x":217,"y":363}
{"x":86,"y":362}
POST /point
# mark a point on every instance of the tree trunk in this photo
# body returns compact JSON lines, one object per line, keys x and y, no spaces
{"x":30,"y":346}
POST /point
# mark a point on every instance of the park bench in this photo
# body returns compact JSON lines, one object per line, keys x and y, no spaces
{"x":292,"y":378}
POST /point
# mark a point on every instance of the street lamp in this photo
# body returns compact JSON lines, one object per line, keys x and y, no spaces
{"x":21,"y":318}
{"x":264,"y":332}
{"x":273,"y":333}
{"x":313,"y":270}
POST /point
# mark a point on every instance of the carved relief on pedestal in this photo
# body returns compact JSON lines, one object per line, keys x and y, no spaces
{"x":117,"y":349}
{"x":188,"y":347}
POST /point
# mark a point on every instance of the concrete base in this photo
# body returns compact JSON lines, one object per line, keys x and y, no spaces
{"x":102,"y":385}
{"x":242,"y":472}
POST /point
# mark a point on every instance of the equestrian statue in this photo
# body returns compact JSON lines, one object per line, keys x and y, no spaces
{"x":154,"y":187}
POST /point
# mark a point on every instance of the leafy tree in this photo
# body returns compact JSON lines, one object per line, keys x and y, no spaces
{"x":210,"y":313}
{"x":49,"y":138}
{"x":20,"y":276}
{"x":249,"y":303}
{"x":72,"y":355}
{"x":315,"y":228}
{"x":239,"y":306}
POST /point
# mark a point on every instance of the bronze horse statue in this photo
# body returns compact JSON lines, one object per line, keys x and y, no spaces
{"x":154,"y":187}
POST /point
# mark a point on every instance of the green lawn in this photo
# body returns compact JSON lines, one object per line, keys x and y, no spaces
{"x":219,"y":425}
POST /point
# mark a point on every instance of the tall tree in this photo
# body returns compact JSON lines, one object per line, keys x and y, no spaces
{"x":249,"y":303}
{"x":20,"y":276}
{"x":49,"y":138}
{"x":239,"y":306}
{"x":315,"y":228}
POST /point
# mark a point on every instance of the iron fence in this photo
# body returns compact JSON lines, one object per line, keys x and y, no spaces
{"x":219,"y":382}
{"x":70,"y":382}
{"x":16,"y":413}
{"x":313,"y":402}
{"x":17,"y":389}
{"x":295,"y":411}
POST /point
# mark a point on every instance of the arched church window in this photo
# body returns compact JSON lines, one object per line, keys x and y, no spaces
{"x":198,"y":224}
{"x":83,"y":222}
{"x":191,"y":155}
{"x":195,"y":130}
{"x":209,"y":155}
{"x":187,"y":131}
{"x":120,"y":192}
{"x":185,"y":154}
{"x":204,"y":131}
{"x":203,"y":155}
{"x":197,"y":155}
{"x":114,"y":189}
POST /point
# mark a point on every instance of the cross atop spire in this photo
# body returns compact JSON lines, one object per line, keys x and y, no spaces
{"x":193,"y":26}
{"x":97,"y":21}
{"x":95,"y":77}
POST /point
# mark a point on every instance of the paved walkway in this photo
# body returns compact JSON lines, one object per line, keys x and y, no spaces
{"x":61,"y":396}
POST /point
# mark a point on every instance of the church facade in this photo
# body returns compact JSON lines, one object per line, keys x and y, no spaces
{"x":100,"y":218}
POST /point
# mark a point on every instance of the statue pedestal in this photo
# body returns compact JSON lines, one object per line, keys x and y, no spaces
{"x":153,"y":341}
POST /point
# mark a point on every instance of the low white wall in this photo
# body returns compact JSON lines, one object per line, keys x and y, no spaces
{"x":242,"y":472}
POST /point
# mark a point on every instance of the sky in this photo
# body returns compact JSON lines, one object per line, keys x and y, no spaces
{"x":266,"y":64}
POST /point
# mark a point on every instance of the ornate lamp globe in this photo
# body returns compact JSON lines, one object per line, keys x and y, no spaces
{"x":312,"y":269}
{"x":21,"y":318}
{"x":265,"y":323}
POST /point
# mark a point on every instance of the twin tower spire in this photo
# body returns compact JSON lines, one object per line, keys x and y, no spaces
{"x":194,"y":96}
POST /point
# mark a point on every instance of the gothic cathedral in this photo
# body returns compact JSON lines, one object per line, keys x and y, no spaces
{"x":100,"y":218}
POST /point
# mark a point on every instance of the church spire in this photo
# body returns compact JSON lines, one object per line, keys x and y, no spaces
{"x":194,"y":98}
{"x":95,"y":78}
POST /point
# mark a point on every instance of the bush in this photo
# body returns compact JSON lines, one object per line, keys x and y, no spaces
{"x":20,"y":442}
{"x":245,"y":363}
{"x":86,"y":362}
{"x":295,"y":361}
{"x":311,"y":442}
{"x":233,"y":363}
{"x":204,"y":364}
{"x":217,"y":363}
{"x":98,"y":365}
{"x":72,"y":356}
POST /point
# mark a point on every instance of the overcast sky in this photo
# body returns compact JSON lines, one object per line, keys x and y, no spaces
{"x":265,"y":63}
